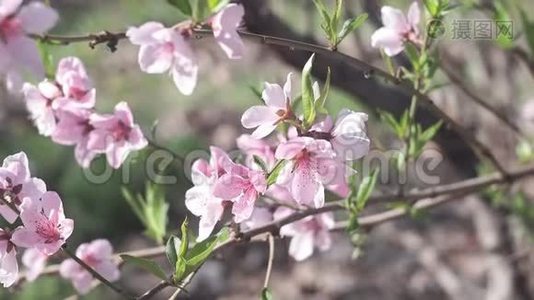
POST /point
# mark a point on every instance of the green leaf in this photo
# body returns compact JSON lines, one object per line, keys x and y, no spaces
{"x":260,"y":163}
{"x":320,"y":103}
{"x":184,"y":246}
{"x":430,"y":132}
{"x":145,"y":264}
{"x":201,"y":251}
{"x":432,"y":6}
{"x":350,"y":25}
{"x":353,"y":225}
{"x":308,"y":100}
{"x":200,"y":10}
{"x":134,"y":203}
{"x":266,"y":294}
{"x":337,"y":14}
{"x":47,"y":59}
{"x":183,"y":6}
{"x":171,"y":249}
{"x":365,"y":190}
{"x":256,"y":92}
{"x":151,"y":210}
{"x":216,"y":5}
{"x":413,"y":55}
{"x":275,"y":172}
{"x":323,"y":12}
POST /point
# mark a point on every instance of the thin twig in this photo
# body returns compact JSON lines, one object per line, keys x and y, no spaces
{"x":270,"y":239}
{"x":427,"y":198}
{"x":404,"y":84}
{"x":156,"y":289}
{"x":10,"y":204}
{"x":95,"y":274}
{"x":459,"y":82}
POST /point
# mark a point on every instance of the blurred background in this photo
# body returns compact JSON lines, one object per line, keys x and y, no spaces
{"x":478,"y":248}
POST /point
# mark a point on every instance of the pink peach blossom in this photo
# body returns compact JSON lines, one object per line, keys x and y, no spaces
{"x":73,"y":128}
{"x":9,"y":268}
{"x":18,"y":52}
{"x":16,"y":184}
{"x":278,"y":107}
{"x":307,"y":233}
{"x":224,"y":25}
{"x":39,"y":101}
{"x":260,"y":216}
{"x":45,"y":226}
{"x":166,"y":50}
{"x":348,"y":135}
{"x":398,"y":29}
{"x":312,"y":165}
{"x":242,"y":186}
{"x":256,"y":147}
{"x":75,"y":84}
{"x":116,"y":135}
{"x":200,"y":199}
{"x":35,"y":262}
{"x":98,"y":254}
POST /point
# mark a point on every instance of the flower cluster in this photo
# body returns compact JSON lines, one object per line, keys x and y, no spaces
{"x":168,"y":50}
{"x":44,"y":227}
{"x":98,"y":255}
{"x":307,"y":161}
{"x":398,"y":29}
{"x":18,"y":52}
{"x":63,"y":109}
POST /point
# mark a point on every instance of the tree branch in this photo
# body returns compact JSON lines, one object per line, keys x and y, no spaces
{"x":426,"y":198}
{"x":405,"y":85}
{"x":94,"y":273}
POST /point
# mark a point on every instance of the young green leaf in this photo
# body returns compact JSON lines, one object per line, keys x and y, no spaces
{"x":365,"y":190}
{"x":432,"y":6}
{"x":183,"y":6}
{"x":200,"y":10}
{"x":325,"y":16}
{"x":321,"y":102}
{"x":184,"y":245}
{"x":350,"y":25}
{"x":201,"y":251}
{"x":266,"y":294}
{"x":337,"y":15}
{"x":275,"y":172}
{"x":171,"y":249}
{"x":145,"y":264}
{"x":430,"y":132}
{"x":47,"y":59}
{"x":151,"y":210}
{"x":216,"y":5}
{"x":308,"y":100}
{"x":260,"y":163}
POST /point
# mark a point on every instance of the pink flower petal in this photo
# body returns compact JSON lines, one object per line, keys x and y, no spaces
{"x":9,"y":268}
{"x":390,"y":40}
{"x":259,"y":115}
{"x":228,"y":186}
{"x":225,"y":24}
{"x":9,"y":7}
{"x":143,"y":35}
{"x":274,"y":96}
{"x":301,"y":246}
{"x":37,"y":17}
{"x":414,"y":15}
{"x":155,"y":58}
{"x":394,"y":19}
